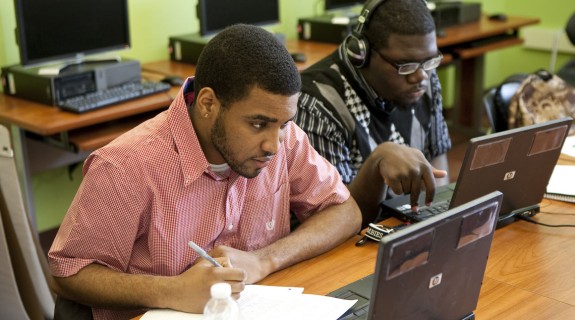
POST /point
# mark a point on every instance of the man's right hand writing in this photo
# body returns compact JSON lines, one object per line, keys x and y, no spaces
{"x":191,"y":289}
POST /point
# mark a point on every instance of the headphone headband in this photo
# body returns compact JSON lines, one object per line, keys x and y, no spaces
{"x":366,"y":13}
{"x":356,"y":46}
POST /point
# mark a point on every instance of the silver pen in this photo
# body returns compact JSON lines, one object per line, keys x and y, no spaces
{"x":203,"y":253}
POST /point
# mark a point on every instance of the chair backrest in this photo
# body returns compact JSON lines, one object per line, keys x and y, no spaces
{"x":29,"y":262}
{"x":11,"y":306}
{"x":496,"y":101}
{"x":570,"y":29}
{"x":490,"y":107}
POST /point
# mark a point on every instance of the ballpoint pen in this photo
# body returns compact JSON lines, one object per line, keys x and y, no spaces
{"x":203,"y":253}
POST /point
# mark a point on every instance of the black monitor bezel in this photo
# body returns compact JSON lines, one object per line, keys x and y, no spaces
{"x":76,"y":55}
{"x":330,"y":5}
{"x":206,"y":31}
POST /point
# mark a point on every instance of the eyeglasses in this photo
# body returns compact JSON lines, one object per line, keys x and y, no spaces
{"x":410,"y":67}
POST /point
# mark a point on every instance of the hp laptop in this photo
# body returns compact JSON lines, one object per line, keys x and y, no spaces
{"x":430,"y":270}
{"x":517,"y":162}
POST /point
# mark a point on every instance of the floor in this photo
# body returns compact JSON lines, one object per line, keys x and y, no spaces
{"x":455,"y":157}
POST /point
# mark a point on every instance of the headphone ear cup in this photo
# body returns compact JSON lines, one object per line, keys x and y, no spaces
{"x":357,"y":50}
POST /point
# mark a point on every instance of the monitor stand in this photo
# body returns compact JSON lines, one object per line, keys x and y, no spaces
{"x":56,"y":69}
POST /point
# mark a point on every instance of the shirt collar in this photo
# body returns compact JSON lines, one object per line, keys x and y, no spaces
{"x":192,"y":158}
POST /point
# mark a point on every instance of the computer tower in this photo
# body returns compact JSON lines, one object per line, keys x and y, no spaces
{"x":49,"y":85}
{"x":325,"y":28}
{"x":187,"y":47}
{"x":446,"y":14}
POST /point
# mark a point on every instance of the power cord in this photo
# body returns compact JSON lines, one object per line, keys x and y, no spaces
{"x":527,"y":218}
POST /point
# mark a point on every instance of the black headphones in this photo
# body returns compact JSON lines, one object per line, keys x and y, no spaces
{"x":356,"y":45}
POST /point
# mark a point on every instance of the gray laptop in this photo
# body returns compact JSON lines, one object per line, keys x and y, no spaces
{"x":517,"y":162}
{"x":430,"y":270}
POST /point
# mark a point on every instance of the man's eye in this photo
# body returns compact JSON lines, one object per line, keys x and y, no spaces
{"x":285,"y":125}
{"x":259,"y":125}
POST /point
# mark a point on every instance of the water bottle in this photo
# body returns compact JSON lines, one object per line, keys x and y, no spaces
{"x":221,"y":306}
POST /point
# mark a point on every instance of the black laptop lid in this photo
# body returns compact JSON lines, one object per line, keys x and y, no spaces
{"x":434,"y":268}
{"x":518,"y":162}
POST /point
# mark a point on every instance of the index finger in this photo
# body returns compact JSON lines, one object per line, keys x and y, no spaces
{"x":429,"y":183}
{"x":414,"y":193}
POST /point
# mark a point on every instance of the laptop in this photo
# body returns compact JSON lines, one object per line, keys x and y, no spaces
{"x":518,"y":162}
{"x":429,"y":270}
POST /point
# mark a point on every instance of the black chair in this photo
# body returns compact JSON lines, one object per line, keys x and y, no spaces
{"x":70,"y":310}
{"x":496,"y":101}
{"x":567,"y":72}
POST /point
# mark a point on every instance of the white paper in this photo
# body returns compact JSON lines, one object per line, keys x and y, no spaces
{"x":271,"y":302}
{"x":569,"y":146}
{"x":562,"y":180}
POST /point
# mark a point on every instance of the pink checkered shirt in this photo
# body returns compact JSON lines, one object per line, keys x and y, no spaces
{"x":149,"y":192}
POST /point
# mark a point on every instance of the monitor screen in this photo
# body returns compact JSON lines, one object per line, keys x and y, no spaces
{"x":215,"y":15}
{"x":341,"y":4}
{"x":69,"y":29}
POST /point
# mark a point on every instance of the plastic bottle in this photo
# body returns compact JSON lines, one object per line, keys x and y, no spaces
{"x":221,"y":306}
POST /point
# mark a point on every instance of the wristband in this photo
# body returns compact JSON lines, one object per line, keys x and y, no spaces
{"x":377,"y":231}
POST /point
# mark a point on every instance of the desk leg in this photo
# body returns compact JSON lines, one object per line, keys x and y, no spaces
{"x":23,"y":168}
{"x":469,"y":95}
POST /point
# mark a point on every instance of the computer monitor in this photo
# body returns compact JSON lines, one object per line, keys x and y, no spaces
{"x":215,"y":15}
{"x":49,"y":31}
{"x":342,"y":4}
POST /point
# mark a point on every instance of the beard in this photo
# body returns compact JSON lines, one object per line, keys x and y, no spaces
{"x":220,"y":141}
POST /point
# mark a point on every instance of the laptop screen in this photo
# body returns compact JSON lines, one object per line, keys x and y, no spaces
{"x":434,"y":268}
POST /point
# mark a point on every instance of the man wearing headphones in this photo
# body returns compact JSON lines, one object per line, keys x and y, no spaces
{"x":373,"y":108}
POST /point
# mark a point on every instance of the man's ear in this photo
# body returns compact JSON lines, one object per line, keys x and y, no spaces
{"x":207,"y":102}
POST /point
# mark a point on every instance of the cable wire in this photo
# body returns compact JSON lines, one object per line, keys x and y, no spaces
{"x":528,"y":219}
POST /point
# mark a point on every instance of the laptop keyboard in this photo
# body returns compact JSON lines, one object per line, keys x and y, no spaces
{"x":359,"y":309}
{"x":435,"y":208}
{"x":425,"y":212}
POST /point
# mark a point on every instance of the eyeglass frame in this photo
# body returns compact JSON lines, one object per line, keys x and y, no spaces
{"x":398,"y":67}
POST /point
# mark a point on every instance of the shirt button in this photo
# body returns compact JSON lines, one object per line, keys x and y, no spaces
{"x":230,"y":227}
{"x":270,"y":225}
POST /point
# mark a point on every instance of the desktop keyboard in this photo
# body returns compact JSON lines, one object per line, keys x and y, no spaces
{"x":117,"y":94}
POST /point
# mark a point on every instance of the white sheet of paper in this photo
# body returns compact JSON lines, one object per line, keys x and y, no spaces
{"x":569,"y":146}
{"x":271,"y":302}
{"x":561,"y":181}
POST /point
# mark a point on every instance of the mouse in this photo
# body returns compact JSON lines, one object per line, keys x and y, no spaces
{"x":498,"y":17}
{"x":298,"y":56}
{"x":174,"y":81}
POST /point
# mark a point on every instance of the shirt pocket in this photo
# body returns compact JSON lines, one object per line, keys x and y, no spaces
{"x":265,"y":219}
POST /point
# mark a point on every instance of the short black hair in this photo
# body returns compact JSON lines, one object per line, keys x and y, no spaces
{"x":242,"y":57}
{"x":400,"y":17}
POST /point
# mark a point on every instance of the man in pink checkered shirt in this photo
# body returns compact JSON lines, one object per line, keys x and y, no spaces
{"x":224,"y":166}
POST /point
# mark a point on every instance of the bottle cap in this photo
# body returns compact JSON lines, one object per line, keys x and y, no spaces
{"x":221,"y":290}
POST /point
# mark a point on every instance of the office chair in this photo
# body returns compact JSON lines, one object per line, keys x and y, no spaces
{"x":11,"y":306}
{"x":497,"y":99}
{"x":567,"y":72}
{"x":29,"y":264}
{"x":30,"y":290}
{"x":490,"y":107}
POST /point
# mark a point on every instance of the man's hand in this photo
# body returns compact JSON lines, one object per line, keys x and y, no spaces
{"x":191,"y":289}
{"x":256,"y":269}
{"x":405,"y":170}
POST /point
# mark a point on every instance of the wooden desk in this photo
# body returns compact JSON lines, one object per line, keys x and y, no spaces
{"x":74,"y":135}
{"x":459,"y":47}
{"x":529,"y":274}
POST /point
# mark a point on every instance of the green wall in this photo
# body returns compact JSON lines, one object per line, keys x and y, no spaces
{"x":153,"y":21}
